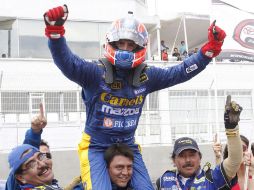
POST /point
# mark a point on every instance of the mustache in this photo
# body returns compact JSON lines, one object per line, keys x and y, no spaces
{"x":42,"y":170}
{"x":187,"y":165}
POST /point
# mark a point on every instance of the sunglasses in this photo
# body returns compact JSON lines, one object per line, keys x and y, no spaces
{"x":48,"y":155}
{"x":32,"y":164}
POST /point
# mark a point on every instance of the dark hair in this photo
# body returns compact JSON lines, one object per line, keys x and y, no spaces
{"x":225,"y":152}
{"x":118,"y":149}
{"x":252,"y":148}
{"x":19,"y":170}
{"x":44,"y":143}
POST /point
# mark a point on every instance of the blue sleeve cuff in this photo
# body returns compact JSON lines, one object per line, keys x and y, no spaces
{"x":33,"y":138}
{"x":206,"y":60}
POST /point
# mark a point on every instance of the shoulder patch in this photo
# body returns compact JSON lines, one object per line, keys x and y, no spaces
{"x":117,"y":85}
{"x":143,"y":77}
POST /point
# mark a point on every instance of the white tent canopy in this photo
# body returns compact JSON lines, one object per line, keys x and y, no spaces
{"x":173,"y":31}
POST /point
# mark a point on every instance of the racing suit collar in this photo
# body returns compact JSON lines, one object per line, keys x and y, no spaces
{"x":115,"y":187}
{"x":53,"y":186}
{"x":122,"y":73}
{"x":183,"y":180}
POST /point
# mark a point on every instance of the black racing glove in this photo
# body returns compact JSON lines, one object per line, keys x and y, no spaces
{"x":232,"y":113}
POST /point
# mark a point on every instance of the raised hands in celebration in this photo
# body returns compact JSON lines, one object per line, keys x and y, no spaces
{"x":39,"y":121}
{"x":217,"y":149}
{"x":232,"y":113}
{"x":54,"y":20}
{"x":216,"y":37}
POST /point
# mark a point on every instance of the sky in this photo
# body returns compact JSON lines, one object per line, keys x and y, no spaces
{"x":170,"y":8}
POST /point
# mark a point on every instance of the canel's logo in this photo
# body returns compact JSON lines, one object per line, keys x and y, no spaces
{"x":244,"y":33}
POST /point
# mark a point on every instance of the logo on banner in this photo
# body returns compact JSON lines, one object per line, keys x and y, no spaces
{"x":244,"y":33}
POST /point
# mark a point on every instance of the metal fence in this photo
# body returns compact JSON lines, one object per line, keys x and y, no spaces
{"x":188,"y":113}
{"x":194,"y":108}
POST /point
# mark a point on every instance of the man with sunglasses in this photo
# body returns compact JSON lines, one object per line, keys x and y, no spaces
{"x":30,"y":168}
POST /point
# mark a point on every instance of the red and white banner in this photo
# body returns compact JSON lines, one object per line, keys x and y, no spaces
{"x":239,"y":27}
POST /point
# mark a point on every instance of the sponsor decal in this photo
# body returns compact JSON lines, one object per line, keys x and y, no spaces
{"x":187,"y":141}
{"x":138,"y":91}
{"x":120,"y":111}
{"x":108,"y":122}
{"x":244,"y":33}
{"x":119,"y":101}
{"x":125,"y":124}
{"x":116,"y":85}
{"x":121,"y":140}
{"x":197,"y":181}
{"x":191,"y":68}
{"x":169,"y":178}
{"x":143,"y":77}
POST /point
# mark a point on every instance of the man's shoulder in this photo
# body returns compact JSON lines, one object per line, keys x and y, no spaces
{"x":169,"y":173}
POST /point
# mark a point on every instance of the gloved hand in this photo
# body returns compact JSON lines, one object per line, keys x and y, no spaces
{"x":232,"y":113}
{"x":54,"y":20}
{"x":216,"y":37}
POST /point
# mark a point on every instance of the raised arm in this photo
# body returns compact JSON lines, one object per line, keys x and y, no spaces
{"x":190,"y":67}
{"x":231,"y":118}
{"x":33,"y":135}
{"x":72,"y":66}
{"x":217,"y":149}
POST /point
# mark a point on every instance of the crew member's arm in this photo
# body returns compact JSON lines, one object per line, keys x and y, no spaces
{"x":248,"y":161}
{"x":217,"y":149}
{"x":231,"y":118}
{"x":33,"y":135}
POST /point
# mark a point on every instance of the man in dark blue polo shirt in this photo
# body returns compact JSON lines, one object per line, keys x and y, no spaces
{"x":187,"y":159}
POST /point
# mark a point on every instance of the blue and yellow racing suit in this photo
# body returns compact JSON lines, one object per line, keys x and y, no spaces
{"x":113,"y":111}
{"x":204,"y":180}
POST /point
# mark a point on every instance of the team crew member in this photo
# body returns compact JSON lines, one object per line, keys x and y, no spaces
{"x":247,"y":162}
{"x":114,"y":89}
{"x":187,"y":158}
{"x":30,"y":168}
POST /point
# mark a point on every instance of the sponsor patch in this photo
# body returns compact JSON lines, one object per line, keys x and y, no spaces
{"x":169,"y":178}
{"x":143,"y":77}
{"x":108,"y":122}
{"x":125,"y":124}
{"x":201,"y":180}
{"x":121,"y":101}
{"x":120,"y":111}
{"x":116,"y":85}
{"x":191,"y":68}
{"x":138,"y":91}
